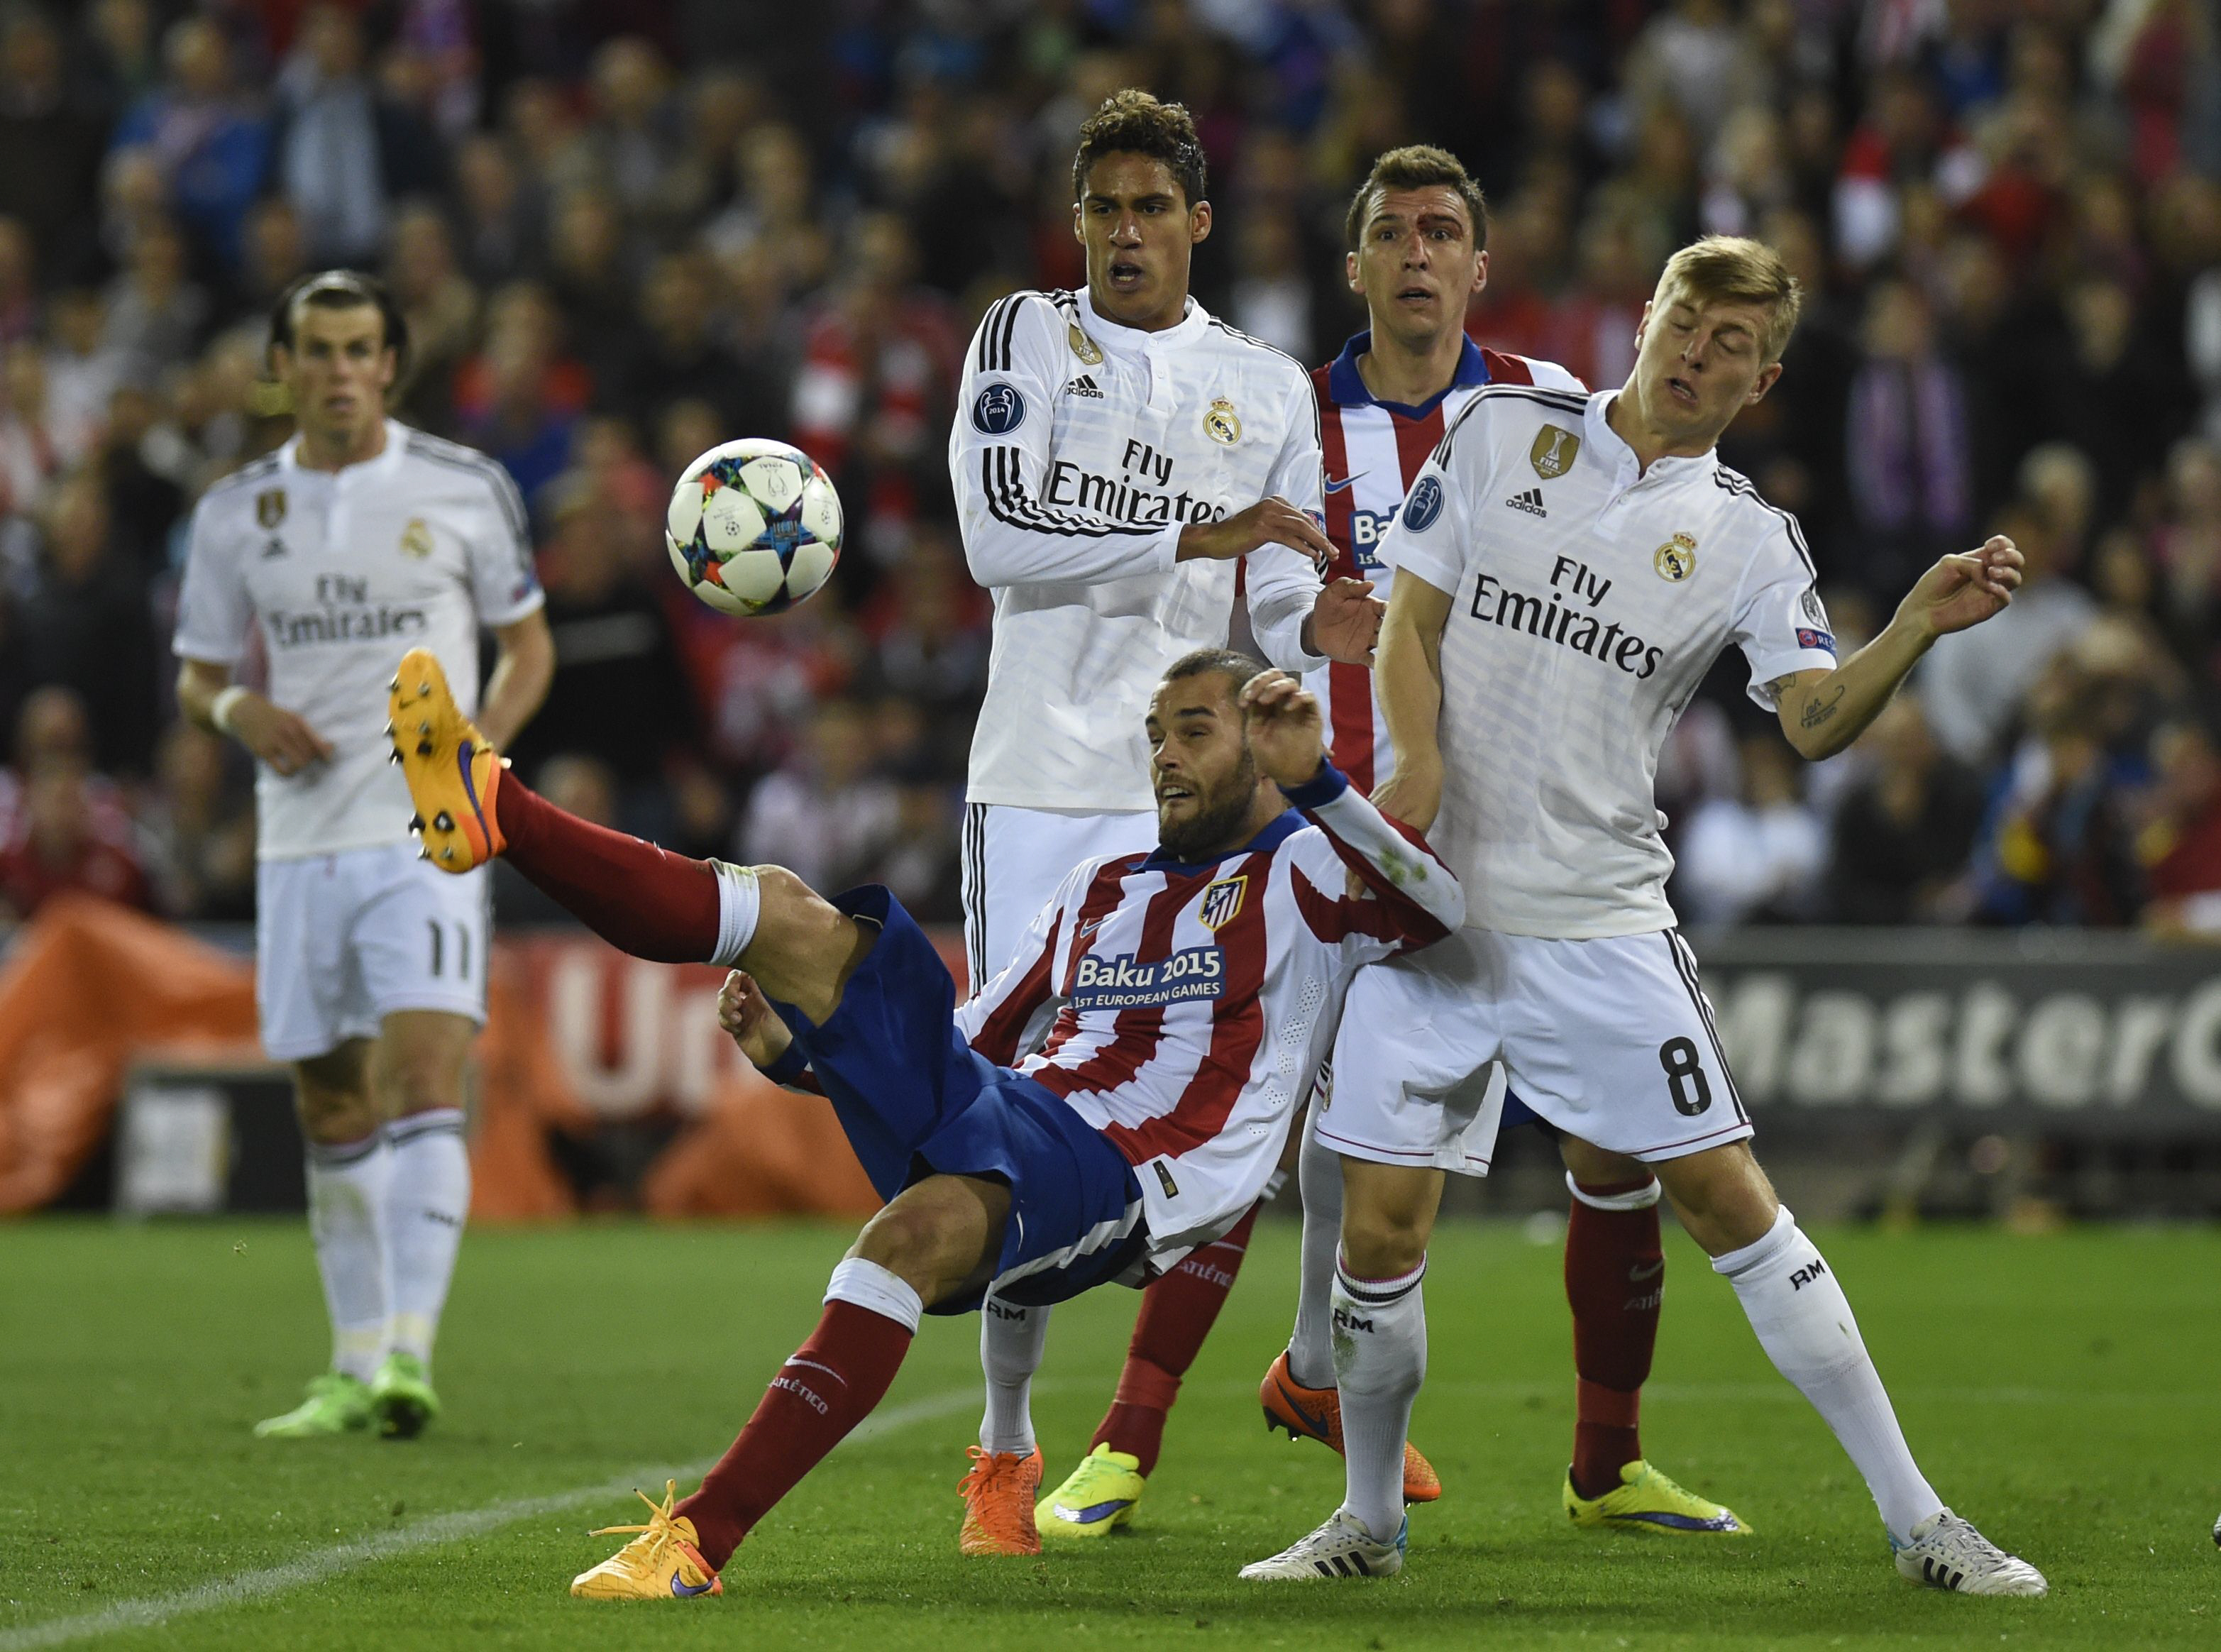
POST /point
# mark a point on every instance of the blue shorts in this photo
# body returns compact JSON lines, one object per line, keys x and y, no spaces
{"x":915,"y":1101}
{"x":1517,"y":1113}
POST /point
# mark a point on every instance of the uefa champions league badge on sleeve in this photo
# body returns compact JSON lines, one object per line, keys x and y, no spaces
{"x":1424,"y":504}
{"x":997,"y":411}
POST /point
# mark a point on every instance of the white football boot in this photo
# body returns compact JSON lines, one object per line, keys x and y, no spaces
{"x":1946,"y":1553}
{"x":1344,"y":1548}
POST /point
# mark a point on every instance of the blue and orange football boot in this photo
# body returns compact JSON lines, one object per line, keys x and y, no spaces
{"x":1316,"y":1414}
{"x":453,"y":773}
{"x":660,"y":1563}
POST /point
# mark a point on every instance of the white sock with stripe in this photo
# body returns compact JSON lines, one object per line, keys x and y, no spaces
{"x":1379,"y":1360}
{"x":1012,"y":1340}
{"x":346,"y":1221}
{"x":1805,"y":1323}
{"x":428,"y":1200}
{"x":1310,"y":1345}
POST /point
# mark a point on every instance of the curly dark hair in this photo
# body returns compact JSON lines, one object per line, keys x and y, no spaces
{"x":1417,"y":167}
{"x":1133,"y":123}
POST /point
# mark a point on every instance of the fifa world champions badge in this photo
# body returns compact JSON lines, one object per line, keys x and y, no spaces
{"x":1554,"y":452}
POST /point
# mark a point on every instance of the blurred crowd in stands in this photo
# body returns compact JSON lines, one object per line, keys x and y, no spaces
{"x":623,"y":230}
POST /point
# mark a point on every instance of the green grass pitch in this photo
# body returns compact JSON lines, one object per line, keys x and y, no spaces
{"x":2060,"y":1391}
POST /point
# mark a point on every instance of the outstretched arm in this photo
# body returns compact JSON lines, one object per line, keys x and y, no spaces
{"x":1822,"y":712}
{"x":1287,"y":738}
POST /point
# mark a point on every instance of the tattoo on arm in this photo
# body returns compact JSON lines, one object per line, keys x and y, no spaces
{"x":1817,"y":711}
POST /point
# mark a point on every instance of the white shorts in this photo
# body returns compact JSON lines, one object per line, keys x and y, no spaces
{"x":343,"y":941}
{"x":1610,"y":1040}
{"x":1014,"y":859}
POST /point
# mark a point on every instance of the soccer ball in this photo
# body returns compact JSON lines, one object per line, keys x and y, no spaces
{"x":753,"y":527}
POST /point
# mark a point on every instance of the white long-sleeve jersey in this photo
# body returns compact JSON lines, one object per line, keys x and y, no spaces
{"x":1194,"y":1001}
{"x":1079,"y":450}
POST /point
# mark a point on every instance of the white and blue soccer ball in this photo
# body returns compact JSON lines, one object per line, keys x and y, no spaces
{"x":753,"y":527}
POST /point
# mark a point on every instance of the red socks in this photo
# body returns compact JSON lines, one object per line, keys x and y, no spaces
{"x":829,"y":1386}
{"x":1614,"y":1277}
{"x":1177,"y":1313}
{"x":640,"y":899}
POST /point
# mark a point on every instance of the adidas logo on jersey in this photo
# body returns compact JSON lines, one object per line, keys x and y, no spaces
{"x":1085,"y":385}
{"x":1530,"y":502}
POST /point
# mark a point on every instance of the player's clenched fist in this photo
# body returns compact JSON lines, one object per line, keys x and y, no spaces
{"x":1287,"y":734}
{"x":1345,"y":623}
{"x":1269,"y":521}
{"x":748,"y":1019}
{"x":1963,"y":591}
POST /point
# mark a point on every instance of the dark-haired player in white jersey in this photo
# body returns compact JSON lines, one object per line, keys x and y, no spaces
{"x":1120,"y":457}
{"x":1567,"y":570}
{"x":357,"y":541}
{"x":1416,"y":238}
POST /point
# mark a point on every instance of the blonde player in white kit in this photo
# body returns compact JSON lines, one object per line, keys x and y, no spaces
{"x":1116,"y":453}
{"x":357,"y":541}
{"x":1537,"y":651}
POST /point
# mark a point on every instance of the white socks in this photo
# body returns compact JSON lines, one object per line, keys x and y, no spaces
{"x":739,"y":902}
{"x":1379,"y":1360}
{"x":1011,"y":1344}
{"x":1805,"y":1324}
{"x":348,"y":1186}
{"x":1310,"y":1346}
{"x":427,"y":1199}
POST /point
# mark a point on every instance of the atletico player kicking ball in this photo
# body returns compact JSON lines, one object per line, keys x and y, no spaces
{"x":1192,"y":990}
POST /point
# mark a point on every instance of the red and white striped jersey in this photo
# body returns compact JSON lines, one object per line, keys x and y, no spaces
{"x":1194,"y":1001}
{"x":1373,"y":450}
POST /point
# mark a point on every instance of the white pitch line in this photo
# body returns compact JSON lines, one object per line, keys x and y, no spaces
{"x":423,"y":1534}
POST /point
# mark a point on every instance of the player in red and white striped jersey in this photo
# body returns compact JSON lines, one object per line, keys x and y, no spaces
{"x":1375,"y":446}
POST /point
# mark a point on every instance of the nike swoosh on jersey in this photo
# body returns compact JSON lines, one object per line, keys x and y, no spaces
{"x":1335,"y":486}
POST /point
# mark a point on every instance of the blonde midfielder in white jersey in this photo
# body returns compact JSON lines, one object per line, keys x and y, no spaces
{"x":357,"y":541}
{"x":1537,"y":653}
{"x":1116,"y":453}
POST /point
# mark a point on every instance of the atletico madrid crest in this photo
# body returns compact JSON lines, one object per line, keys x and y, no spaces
{"x":1222,"y":901}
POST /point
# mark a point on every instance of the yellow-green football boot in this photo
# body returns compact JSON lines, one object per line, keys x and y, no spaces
{"x":1095,"y":1497}
{"x":337,"y":1404}
{"x":401,"y":1397}
{"x":1648,"y":1500}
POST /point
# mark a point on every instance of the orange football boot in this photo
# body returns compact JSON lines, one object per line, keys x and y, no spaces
{"x":453,"y":773}
{"x":1316,"y":1414}
{"x":999,"y":1503}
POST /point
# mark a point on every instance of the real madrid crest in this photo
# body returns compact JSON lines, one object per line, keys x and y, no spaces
{"x":1222,"y":423}
{"x":1676,"y":559}
{"x":417,"y":539}
{"x":1083,"y":346}
{"x":1552,"y":454}
{"x":1222,"y":902}
{"x":269,"y":507}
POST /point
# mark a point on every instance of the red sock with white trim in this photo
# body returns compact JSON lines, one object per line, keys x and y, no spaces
{"x":1177,"y":1313}
{"x":831,"y":1384}
{"x":647,"y":901}
{"x":1615,"y":1279}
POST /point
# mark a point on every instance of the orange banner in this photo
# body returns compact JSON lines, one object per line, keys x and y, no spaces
{"x":579,"y":1039}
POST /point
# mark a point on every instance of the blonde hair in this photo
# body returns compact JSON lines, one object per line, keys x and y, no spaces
{"x":1736,"y":269}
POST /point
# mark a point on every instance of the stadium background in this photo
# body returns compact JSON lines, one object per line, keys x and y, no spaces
{"x":623,"y":232}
